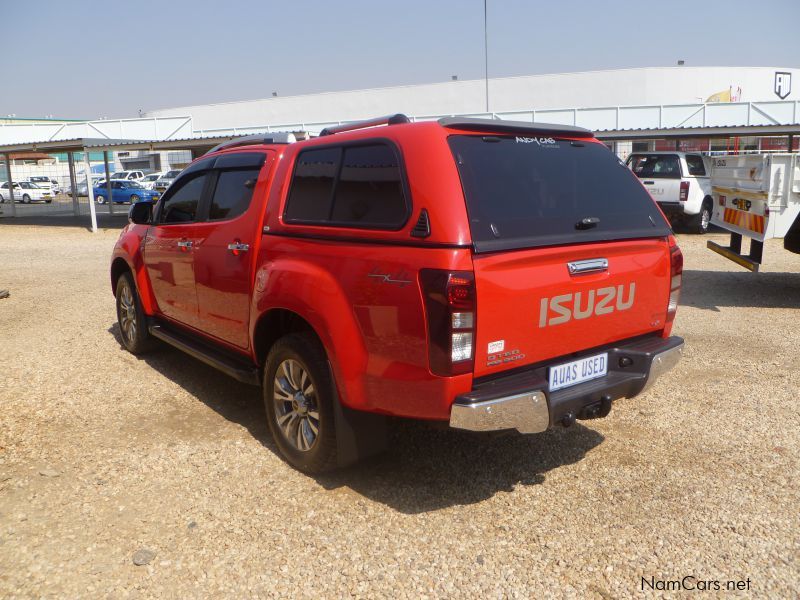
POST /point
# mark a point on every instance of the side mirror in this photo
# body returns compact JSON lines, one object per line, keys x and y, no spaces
{"x":141,"y":213}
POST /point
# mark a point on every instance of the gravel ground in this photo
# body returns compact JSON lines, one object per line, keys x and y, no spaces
{"x":122,"y":477}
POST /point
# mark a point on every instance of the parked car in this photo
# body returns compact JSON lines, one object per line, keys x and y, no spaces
{"x":149,"y":180}
{"x":127,"y":175}
{"x":48,"y":183}
{"x":124,"y":191}
{"x":25,"y":192}
{"x":82,"y":188}
{"x":163,"y":182}
{"x":491,"y":275}
{"x":681,"y":184}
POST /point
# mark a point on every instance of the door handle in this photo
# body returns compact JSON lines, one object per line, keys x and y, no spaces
{"x":592,"y":265}
{"x":238,"y":247}
{"x":184,"y":244}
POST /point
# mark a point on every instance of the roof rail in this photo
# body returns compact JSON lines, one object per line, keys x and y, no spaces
{"x":279,"y":137}
{"x":387,"y":120}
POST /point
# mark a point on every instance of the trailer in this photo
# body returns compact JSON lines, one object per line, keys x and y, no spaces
{"x":756,"y":196}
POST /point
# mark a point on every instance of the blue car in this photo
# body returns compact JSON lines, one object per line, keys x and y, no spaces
{"x":125,"y":191}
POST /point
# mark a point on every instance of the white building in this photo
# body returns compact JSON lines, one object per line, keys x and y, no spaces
{"x":652,"y":86}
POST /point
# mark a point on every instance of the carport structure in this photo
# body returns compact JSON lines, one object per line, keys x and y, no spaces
{"x":78,"y":152}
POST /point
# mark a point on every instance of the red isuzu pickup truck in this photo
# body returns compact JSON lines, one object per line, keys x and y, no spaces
{"x":489,"y":274}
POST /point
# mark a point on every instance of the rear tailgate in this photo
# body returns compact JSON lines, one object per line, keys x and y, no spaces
{"x":530,"y":308}
{"x":536,"y":205}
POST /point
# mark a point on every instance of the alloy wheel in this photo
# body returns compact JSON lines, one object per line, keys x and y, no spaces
{"x":296,"y":405}
{"x":127,"y":313}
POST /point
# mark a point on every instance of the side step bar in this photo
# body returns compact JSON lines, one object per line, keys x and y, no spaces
{"x":238,"y":369}
{"x":733,"y":252}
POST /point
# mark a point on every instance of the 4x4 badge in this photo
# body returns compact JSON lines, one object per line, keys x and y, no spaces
{"x":387,"y":278}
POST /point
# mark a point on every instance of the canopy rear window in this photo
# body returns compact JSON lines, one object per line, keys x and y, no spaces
{"x":524,"y":192}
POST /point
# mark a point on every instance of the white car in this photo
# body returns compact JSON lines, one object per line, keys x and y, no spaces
{"x":45,"y":182}
{"x":680,"y":182}
{"x":127,"y":175}
{"x":149,"y":180}
{"x":25,"y":192}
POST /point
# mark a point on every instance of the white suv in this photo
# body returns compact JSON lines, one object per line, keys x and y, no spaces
{"x":680,"y":182}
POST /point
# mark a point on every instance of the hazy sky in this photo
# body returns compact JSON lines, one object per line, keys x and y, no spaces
{"x":88,"y":59}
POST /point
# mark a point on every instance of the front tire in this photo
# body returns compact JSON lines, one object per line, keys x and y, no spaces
{"x":134,"y":198}
{"x":131,"y":318}
{"x":298,"y":398}
{"x":101,"y":199}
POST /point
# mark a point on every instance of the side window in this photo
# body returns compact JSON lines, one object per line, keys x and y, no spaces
{"x":116,"y":185}
{"x":181,"y":205}
{"x":312,"y":185}
{"x":365,"y":190}
{"x":696,"y":166}
{"x":369,"y":190}
{"x":233,"y":193}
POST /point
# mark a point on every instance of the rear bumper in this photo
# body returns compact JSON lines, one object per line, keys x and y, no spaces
{"x":522,"y":401}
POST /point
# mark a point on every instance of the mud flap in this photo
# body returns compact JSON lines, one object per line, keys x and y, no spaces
{"x":359,"y":434}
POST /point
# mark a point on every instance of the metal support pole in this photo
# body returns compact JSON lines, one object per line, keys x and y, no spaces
{"x":10,"y":186}
{"x":108,"y":184}
{"x":89,"y":189}
{"x":73,"y":182}
{"x":486,"y":51}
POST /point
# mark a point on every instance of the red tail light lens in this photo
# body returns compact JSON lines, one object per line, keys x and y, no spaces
{"x":676,"y":278}
{"x":450,"y":302}
{"x":684,"y":191}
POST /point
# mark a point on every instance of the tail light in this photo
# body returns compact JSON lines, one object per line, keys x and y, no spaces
{"x":676,"y":276}
{"x":722,"y":200}
{"x":684,"y":191}
{"x":450,"y":302}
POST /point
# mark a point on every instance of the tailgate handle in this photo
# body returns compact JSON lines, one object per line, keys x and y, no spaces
{"x":592,"y":265}
{"x":649,"y":182}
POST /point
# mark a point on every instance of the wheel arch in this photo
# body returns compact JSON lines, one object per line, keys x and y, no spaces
{"x":118,"y":267}
{"x":273,"y":325}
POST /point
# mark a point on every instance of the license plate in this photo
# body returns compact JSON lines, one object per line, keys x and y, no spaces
{"x":578,"y":371}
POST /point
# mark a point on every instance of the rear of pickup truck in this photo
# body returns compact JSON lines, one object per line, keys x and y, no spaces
{"x":575,"y":283}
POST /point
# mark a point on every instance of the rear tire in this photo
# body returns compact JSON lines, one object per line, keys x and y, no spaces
{"x":298,"y":398}
{"x":702,"y":221}
{"x":131,"y":318}
{"x":26,"y":199}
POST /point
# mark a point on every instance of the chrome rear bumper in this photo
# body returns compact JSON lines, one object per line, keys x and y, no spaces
{"x":522,"y":401}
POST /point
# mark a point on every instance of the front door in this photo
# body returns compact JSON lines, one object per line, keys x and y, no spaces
{"x":170,"y":248}
{"x":224,"y":261}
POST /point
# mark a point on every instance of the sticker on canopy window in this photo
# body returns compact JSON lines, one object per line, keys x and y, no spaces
{"x":539,"y":141}
{"x":497,"y":346}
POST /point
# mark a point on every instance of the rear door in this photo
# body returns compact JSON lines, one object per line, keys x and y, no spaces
{"x":660,"y":174}
{"x":570,"y":253}
{"x":170,"y":246}
{"x":223,"y":263}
